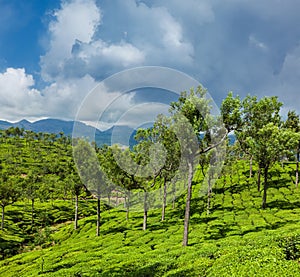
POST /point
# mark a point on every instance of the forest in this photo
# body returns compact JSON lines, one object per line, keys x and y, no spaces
{"x":185,"y":200}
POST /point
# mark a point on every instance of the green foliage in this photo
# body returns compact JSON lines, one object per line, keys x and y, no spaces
{"x":235,"y":239}
{"x":38,"y":180}
{"x":291,"y":247}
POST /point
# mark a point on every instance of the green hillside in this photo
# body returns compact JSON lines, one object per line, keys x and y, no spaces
{"x":237,"y":238}
{"x":55,"y":194}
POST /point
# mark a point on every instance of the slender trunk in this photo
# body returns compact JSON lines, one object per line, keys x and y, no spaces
{"x":32,"y":212}
{"x":164,"y":200}
{"x":98,"y":216}
{"x":145,"y":211}
{"x":297,"y":170}
{"x":264,"y":200}
{"x":208,"y":196}
{"x":258,"y":179}
{"x":251,"y":167}
{"x":117,"y":198}
{"x":127,"y":207}
{"x":2,"y":218}
{"x":42,"y":265}
{"x":187,"y":206}
{"x":76,"y":212}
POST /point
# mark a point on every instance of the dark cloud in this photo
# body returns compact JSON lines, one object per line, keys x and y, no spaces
{"x":243,"y":46}
{"x":226,"y":45}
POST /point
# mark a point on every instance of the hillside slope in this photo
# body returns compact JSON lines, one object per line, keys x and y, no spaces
{"x":237,"y":238}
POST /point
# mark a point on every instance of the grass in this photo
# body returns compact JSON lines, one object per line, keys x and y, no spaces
{"x":237,"y":238}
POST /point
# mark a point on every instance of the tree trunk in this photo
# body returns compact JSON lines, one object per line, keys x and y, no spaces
{"x":127,"y":209}
{"x":258,"y":179}
{"x":208,"y":196}
{"x":76,"y":212}
{"x":174,"y":196}
{"x":251,"y":167}
{"x":98,"y":216}
{"x":2,"y":218}
{"x":145,"y":211}
{"x":297,"y":170}
{"x":164,"y":201}
{"x":264,"y":200}
{"x":32,"y":212}
{"x":187,"y":206}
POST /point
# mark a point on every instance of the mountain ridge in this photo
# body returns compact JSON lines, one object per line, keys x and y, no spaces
{"x":116,"y":134}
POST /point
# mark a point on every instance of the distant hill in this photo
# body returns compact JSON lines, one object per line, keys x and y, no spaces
{"x":116,"y":134}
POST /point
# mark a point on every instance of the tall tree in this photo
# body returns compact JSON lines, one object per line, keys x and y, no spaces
{"x":9,"y":193}
{"x":32,"y":183}
{"x":150,"y":155}
{"x":293,"y":123}
{"x":119,"y":178}
{"x":90,"y":172}
{"x":168,"y":139}
{"x":76,"y":188}
{"x":263,"y":133}
{"x":196,"y":128}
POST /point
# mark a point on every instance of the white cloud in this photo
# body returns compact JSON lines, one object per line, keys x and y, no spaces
{"x":140,"y":114}
{"x":63,"y":97}
{"x":103,"y":104}
{"x":153,"y":36}
{"x":75,"y":20}
{"x":244,"y":46}
{"x":17,"y":97}
{"x":99,"y":54}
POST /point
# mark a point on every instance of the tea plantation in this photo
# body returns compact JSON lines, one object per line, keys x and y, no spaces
{"x":237,"y":237}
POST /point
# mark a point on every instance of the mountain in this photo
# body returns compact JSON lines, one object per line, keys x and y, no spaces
{"x":116,"y":134}
{"x":123,"y":135}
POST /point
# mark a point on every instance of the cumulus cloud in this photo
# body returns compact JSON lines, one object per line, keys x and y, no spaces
{"x":244,"y":46}
{"x":149,"y":35}
{"x":75,"y":20}
{"x":18,"y":98}
{"x":98,"y":56}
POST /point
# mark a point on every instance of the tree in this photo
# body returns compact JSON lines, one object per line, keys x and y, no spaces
{"x":292,"y":123}
{"x":168,"y":139}
{"x":162,"y":134}
{"x":196,"y":129}
{"x":76,"y":187}
{"x":9,"y":193}
{"x":91,"y":175}
{"x":150,"y":158}
{"x":265,"y":151}
{"x":231,"y":113}
{"x":31,"y":189}
{"x":263,"y":134}
{"x":119,"y":178}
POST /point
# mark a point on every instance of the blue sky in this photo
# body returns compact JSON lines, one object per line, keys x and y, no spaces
{"x":23,"y":25}
{"x":52,"y":53}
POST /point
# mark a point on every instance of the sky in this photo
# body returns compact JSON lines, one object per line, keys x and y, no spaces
{"x":53,"y":53}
